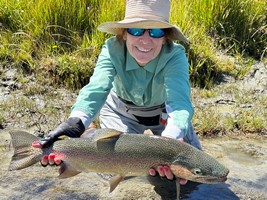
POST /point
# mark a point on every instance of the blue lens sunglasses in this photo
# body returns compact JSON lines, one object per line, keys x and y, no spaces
{"x":153,"y":32}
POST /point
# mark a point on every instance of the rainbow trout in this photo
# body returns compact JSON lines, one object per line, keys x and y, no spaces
{"x":113,"y":152}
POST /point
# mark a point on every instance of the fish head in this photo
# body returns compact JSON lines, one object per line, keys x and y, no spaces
{"x":199,"y":167}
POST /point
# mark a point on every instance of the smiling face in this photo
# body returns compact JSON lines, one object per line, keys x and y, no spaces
{"x":143,"y":48}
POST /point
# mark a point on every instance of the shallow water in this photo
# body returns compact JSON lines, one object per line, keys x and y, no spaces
{"x":245,"y":156}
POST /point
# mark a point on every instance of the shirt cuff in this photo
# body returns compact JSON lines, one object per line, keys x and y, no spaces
{"x":172,"y":131}
{"x":83,"y":116}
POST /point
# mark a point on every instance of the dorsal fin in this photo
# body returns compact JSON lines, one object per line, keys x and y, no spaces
{"x":105,"y":133}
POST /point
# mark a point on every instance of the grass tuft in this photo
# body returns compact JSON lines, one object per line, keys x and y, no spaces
{"x":35,"y":31}
{"x":57,"y":43}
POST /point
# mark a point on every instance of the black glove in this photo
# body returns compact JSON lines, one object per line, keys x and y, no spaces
{"x":73,"y":127}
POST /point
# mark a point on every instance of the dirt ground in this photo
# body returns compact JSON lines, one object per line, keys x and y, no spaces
{"x":245,"y":156}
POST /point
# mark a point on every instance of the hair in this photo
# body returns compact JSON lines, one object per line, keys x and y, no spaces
{"x":168,"y":37}
{"x":120,"y":35}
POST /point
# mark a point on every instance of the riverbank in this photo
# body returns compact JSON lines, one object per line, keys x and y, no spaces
{"x":245,"y":156}
{"x":231,"y":107}
{"x":230,"y":120}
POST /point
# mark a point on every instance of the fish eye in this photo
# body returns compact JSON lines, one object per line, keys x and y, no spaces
{"x":197,"y":171}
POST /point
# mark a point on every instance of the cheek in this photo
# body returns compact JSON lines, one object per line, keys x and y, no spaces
{"x":158,"y":49}
{"x":128,"y":46}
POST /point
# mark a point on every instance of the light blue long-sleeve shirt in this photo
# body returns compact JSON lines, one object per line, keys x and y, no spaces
{"x":164,"y":79}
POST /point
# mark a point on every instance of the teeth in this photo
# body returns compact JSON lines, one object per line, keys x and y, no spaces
{"x":144,"y":50}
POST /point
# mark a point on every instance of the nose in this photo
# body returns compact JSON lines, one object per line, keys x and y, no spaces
{"x":145,"y":38}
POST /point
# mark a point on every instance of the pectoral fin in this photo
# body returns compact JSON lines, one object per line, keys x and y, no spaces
{"x":114,"y":181}
{"x":66,"y":171}
{"x":178,"y":188}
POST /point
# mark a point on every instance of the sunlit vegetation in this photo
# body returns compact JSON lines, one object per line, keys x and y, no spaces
{"x":60,"y":38}
{"x":58,"y":43}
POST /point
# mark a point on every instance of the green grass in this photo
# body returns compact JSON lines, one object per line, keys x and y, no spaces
{"x":58,"y":42}
{"x":32,"y":33}
{"x":241,"y":26}
{"x":246,"y":113}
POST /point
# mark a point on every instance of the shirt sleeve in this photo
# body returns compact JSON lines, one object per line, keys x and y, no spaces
{"x":92,"y":97}
{"x":177,"y":86}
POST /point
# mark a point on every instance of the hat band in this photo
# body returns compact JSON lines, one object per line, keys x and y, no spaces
{"x":148,"y":17}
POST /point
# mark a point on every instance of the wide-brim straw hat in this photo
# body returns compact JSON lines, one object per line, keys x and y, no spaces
{"x":145,"y":14}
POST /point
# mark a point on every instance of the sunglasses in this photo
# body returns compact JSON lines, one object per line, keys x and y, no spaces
{"x":153,"y":32}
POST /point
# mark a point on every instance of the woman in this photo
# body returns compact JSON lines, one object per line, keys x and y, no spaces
{"x":141,"y":79}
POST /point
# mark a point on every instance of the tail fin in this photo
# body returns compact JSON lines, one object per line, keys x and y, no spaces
{"x":24,"y":154}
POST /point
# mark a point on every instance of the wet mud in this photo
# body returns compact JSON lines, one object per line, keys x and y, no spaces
{"x":245,"y":156}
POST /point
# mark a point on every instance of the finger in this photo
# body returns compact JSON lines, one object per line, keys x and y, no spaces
{"x":182,"y":181}
{"x":168,"y":172}
{"x":44,"y":161}
{"x":57,"y":161}
{"x":51,"y":158}
{"x":161,"y":171}
{"x":152,"y":172}
{"x":92,"y":125}
{"x":181,"y":139}
{"x":37,"y":145}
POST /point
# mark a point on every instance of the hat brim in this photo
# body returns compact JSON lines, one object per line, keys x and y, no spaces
{"x":117,"y":27}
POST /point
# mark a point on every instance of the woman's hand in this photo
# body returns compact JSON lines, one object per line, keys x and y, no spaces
{"x":50,"y":159}
{"x":164,"y":171}
{"x":72,"y":127}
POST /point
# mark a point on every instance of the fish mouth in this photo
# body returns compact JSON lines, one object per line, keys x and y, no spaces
{"x":211,"y":179}
{"x":183,"y":172}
